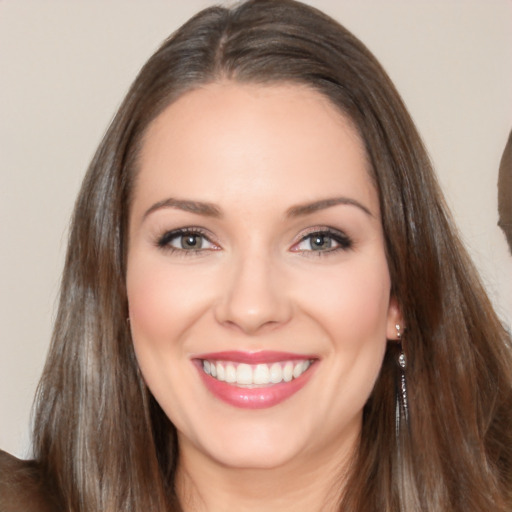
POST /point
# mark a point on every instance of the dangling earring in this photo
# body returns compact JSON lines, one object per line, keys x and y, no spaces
{"x":402,"y":407}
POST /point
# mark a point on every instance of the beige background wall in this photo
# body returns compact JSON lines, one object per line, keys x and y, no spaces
{"x":64,"y":67}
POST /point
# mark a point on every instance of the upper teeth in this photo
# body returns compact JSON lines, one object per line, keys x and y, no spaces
{"x":260,"y":374}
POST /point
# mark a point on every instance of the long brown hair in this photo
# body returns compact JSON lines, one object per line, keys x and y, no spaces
{"x":99,"y":436}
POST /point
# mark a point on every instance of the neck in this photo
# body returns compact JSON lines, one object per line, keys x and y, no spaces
{"x":299,"y":486}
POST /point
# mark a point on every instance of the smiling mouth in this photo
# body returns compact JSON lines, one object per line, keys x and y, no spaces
{"x":255,"y":375}
{"x":255,"y":380}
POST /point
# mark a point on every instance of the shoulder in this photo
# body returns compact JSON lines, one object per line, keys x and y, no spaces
{"x":22,"y":488}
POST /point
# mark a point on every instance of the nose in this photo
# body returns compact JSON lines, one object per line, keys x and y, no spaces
{"x":253,"y":296}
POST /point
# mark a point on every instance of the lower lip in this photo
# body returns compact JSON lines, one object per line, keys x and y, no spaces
{"x":254,"y":398}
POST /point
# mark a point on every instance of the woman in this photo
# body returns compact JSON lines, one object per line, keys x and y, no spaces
{"x":264,"y":303}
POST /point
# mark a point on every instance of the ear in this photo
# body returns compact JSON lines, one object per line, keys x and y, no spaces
{"x":394,"y":318}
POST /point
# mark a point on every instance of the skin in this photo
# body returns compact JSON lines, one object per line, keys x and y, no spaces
{"x":256,"y":153}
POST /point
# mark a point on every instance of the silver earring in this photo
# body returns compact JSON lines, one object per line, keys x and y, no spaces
{"x":402,"y":406}
{"x":402,"y":362}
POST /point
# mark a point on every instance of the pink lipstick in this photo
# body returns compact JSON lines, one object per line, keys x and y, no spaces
{"x":254,"y":380}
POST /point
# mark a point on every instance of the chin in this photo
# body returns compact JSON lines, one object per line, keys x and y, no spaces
{"x":251,"y":446}
{"x":254,"y":456}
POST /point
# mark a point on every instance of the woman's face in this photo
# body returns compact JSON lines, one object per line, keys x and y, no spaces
{"x":258,"y":287}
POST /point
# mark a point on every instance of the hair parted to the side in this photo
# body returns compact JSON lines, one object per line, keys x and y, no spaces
{"x":101,"y":439}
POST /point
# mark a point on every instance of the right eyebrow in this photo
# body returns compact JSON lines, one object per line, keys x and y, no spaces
{"x":197,"y":207}
{"x":308,"y":208}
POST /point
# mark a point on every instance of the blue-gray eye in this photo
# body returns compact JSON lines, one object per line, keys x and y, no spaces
{"x":188,"y":241}
{"x":324,"y":241}
{"x":185,"y":241}
{"x":320,"y":242}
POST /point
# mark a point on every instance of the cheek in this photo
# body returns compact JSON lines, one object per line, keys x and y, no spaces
{"x":351,"y":302}
{"x":149,"y":302}
{"x":152,"y":305}
{"x":354,"y":315}
{"x":361,"y":332}
{"x":163,"y":301}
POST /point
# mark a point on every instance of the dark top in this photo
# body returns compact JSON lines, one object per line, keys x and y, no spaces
{"x":22,"y":488}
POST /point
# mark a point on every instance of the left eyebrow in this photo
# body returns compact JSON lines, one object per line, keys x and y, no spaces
{"x":197,"y":207}
{"x":308,"y":208}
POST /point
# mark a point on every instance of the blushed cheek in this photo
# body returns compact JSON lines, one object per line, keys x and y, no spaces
{"x":148,"y":304}
{"x":164,"y":302}
{"x":373,"y":295}
{"x":356,"y":307}
{"x":152,"y":307}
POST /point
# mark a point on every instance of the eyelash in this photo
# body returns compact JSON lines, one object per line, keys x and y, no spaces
{"x":344,"y":243}
{"x":164,"y":241}
{"x":340,"y":238}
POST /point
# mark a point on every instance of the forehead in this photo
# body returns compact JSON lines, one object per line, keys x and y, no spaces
{"x":225,"y":141}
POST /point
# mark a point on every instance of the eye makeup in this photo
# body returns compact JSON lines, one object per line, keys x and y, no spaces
{"x":186,"y":240}
{"x":322,"y":241}
{"x":317,"y":241}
